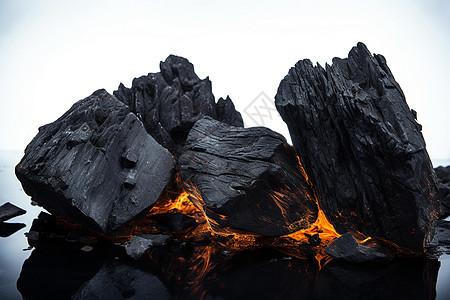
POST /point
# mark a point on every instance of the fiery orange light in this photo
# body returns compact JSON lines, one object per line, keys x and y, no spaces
{"x":190,"y":203}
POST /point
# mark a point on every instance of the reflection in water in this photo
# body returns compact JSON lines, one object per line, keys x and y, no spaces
{"x":176,"y":270}
{"x":7,"y":229}
{"x":56,"y":272}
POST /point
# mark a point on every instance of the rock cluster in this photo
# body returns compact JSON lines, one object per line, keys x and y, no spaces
{"x":171,"y":101}
{"x":8,"y":211}
{"x":443,"y":175}
{"x":110,"y":158}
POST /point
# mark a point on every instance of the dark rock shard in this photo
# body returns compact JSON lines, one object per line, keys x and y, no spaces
{"x":171,"y":101}
{"x":361,"y":147}
{"x":138,"y":244}
{"x":117,"y":280}
{"x":249,"y":178}
{"x":227,"y":113}
{"x":442,"y":236}
{"x":8,"y":211}
{"x":96,"y":165}
{"x":443,"y":176}
{"x":350,"y":249}
{"x":7,"y":229}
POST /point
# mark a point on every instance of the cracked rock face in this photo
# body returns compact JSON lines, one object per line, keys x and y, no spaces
{"x":171,"y":101}
{"x":443,"y":175}
{"x":96,"y":164}
{"x":249,"y":178}
{"x":361,"y":147}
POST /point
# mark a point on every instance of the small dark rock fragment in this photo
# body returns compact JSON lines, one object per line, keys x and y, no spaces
{"x":314,"y":240}
{"x":442,"y":235}
{"x":347,"y":248}
{"x":138,"y":244}
{"x":8,"y":211}
{"x":227,"y":113}
{"x":443,"y":176}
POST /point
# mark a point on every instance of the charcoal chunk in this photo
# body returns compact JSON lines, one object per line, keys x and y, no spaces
{"x":347,"y":248}
{"x":361,"y":147}
{"x":96,"y":165}
{"x":171,"y":101}
{"x":8,"y":211}
{"x":443,"y":176}
{"x":227,"y":113}
{"x":248,"y":178}
{"x":138,"y":244}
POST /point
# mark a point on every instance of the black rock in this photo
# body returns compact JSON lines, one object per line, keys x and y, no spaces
{"x":8,"y":211}
{"x":96,"y":165}
{"x":442,"y":236}
{"x":361,"y":147}
{"x":171,"y":101}
{"x":7,"y":229}
{"x":138,"y":244}
{"x":348,"y":248}
{"x":249,"y":178}
{"x":227,"y":113}
{"x":443,"y":176}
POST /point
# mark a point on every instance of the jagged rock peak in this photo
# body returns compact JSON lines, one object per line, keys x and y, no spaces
{"x":171,"y":101}
{"x":362,"y":147}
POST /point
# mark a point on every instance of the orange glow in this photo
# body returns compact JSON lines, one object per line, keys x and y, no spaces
{"x":365,"y":240}
{"x":189,"y":202}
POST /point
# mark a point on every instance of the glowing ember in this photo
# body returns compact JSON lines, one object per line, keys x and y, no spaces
{"x":189,"y":202}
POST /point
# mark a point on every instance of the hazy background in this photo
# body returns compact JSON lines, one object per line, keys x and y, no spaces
{"x":53,"y":53}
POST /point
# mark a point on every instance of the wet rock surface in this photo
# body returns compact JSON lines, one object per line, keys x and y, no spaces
{"x":350,"y":249}
{"x":96,"y":165}
{"x":249,"y":178}
{"x":8,"y":211}
{"x":361,"y":147}
{"x":138,"y":244}
{"x":171,"y":101}
{"x":443,"y":176}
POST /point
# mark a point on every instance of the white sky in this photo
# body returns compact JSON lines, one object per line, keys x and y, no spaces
{"x":53,"y":53}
